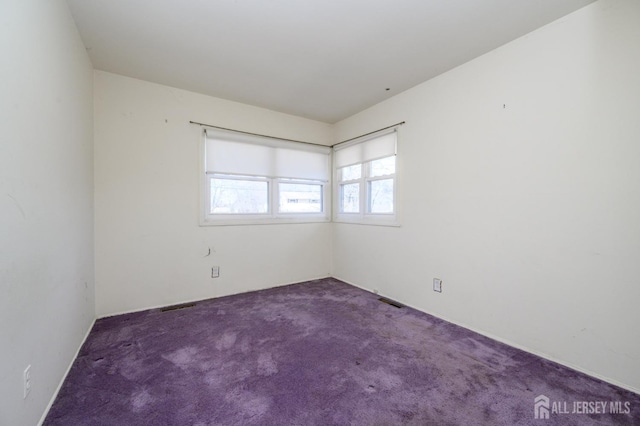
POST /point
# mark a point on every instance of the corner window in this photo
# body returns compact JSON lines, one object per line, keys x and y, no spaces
{"x":250,"y":179}
{"x":365,"y":180}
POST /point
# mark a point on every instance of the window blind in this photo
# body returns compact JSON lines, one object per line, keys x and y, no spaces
{"x":366,"y":149}
{"x":240,"y":154}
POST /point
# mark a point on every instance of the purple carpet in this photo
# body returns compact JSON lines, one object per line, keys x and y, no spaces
{"x":318,"y":353}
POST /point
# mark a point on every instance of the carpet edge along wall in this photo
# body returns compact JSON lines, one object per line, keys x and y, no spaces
{"x":319,"y":352}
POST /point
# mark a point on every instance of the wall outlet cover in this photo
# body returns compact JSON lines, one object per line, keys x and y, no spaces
{"x":437,"y":285}
{"x":27,"y":381}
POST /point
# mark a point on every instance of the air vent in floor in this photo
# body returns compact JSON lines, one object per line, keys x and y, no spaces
{"x":176,"y":307}
{"x":390,"y":302}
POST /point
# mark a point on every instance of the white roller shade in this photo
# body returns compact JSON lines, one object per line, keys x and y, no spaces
{"x":239,"y":154}
{"x":295,"y":163}
{"x":366,"y":149}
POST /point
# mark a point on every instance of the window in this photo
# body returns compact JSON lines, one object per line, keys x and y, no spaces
{"x":365,"y":180}
{"x":300,"y":197}
{"x":251,"y":179}
{"x":238,"y":195}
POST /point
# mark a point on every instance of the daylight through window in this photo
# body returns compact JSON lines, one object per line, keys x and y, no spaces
{"x":365,"y":180}
{"x":253,"y":179}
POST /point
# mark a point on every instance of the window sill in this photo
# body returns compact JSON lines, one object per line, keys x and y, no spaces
{"x":391,"y":221}
{"x":262,"y":221}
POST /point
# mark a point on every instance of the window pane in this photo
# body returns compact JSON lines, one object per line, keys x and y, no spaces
{"x":350,"y":198}
{"x":300,"y":198}
{"x":381,"y":196}
{"x":351,"y":172}
{"x":383,"y":166}
{"x":235,"y":196}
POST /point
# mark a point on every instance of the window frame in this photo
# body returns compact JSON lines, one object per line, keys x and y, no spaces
{"x":273,"y":214}
{"x":210,"y":176}
{"x":324,"y":189}
{"x":369,"y":200}
{"x":364,"y":216}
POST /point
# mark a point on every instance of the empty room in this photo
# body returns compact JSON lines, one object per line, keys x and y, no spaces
{"x":357,"y":212}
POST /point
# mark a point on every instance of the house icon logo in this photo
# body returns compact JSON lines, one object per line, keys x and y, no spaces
{"x":541,"y":407}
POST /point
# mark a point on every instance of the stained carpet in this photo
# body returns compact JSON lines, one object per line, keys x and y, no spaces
{"x":317,"y":353}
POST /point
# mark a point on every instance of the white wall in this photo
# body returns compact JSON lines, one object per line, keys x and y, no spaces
{"x":46,"y":202}
{"x":520,"y":179}
{"x":528,"y":212}
{"x":150,"y":250}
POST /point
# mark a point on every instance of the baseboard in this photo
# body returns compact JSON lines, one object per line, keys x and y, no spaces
{"x":481,"y":332}
{"x":64,"y":377}
{"x":512,"y":344}
{"x":132,"y":311}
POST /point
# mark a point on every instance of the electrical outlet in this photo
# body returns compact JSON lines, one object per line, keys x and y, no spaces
{"x":215,"y":272}
{"x":437,"y":285}
{"x":26,"y":381}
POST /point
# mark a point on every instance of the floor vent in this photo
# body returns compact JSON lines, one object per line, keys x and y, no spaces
{"x":390,"y":302}
{"x":176,"y":307}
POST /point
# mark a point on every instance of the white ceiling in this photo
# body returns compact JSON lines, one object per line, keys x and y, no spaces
{"x":320,"y":59}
